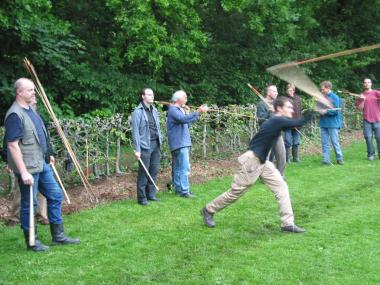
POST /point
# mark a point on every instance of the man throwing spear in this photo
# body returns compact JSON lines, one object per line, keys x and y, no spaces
{"x":27,"y":147}
{"x":254,"y":164}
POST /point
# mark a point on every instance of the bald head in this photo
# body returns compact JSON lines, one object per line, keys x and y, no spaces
{"x":21,"y":83}
{"x":24,"y":89}
{"x":272,"y":92}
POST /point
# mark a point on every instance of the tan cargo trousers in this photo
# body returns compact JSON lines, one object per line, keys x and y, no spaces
{"x":251,"y":169}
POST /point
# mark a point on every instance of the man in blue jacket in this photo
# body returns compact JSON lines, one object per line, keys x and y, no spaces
{"x":147,"y":139}
{"x":178,"y":124}
{"x":330,"y":124}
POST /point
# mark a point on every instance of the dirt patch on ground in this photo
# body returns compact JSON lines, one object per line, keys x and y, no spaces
{"x":123,"y":186}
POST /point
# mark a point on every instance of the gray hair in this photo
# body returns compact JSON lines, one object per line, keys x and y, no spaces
{"x":177,"y":95}
{"x":326,"y":84}
{"x":20,"y":83}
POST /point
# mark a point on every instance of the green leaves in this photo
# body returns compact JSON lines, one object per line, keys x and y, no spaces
{"x":158,"y":32}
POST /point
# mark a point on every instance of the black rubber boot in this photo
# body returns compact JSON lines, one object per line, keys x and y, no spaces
{"x":287,"y":152}
{"x":295,"y":153}
{"x":58,"y":235}
{"x":38,"y":246}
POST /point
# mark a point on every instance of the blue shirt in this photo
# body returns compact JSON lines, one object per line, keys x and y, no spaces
{"x":178,"y":125}
{"x":15,"y":129}
{"x":333,"y":118}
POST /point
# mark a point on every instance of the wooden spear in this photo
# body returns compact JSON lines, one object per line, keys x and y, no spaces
{"x":60,"y":183}
{"x":328,"y":56}
{"x":41,"y":92}
{"x":209,"y":110}
{"x":302,"y":135}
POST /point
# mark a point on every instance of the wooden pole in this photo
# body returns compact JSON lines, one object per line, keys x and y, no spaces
{"x":32,"y":233}
{"x":60,"y":183}
{"x":147,"y":173}
{"x":328,"y":56}
{"x":40,"y":91}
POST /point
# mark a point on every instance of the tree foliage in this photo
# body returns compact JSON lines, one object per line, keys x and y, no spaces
{"x":94,"y":56}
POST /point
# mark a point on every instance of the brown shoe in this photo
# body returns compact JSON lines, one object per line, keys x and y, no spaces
{"x":208,"y":218}
{"x":43,"y":221}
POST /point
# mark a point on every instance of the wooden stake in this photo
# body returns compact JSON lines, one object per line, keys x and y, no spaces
{"x":60,"y":183}
{"x":40,"y":91}
{"x":147,"y":173}
{"x":32,"y":233}
{"x":328,"y":56}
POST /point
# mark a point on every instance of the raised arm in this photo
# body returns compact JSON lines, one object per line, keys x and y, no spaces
{"x":182,"y":118}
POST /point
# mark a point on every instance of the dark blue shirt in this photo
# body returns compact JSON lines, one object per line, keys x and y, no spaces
{"x":269,"y":132}
{"x":14,"y":128}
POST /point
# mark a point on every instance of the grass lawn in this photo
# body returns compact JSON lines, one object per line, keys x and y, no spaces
{"x":167,"y":243}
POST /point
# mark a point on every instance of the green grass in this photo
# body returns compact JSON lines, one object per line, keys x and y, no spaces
{"x":166,"y":243}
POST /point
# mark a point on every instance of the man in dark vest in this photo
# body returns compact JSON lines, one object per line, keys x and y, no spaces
{"x":25,"y":134}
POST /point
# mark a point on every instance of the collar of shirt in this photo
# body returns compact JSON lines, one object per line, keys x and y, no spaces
{"x":146,"y":108}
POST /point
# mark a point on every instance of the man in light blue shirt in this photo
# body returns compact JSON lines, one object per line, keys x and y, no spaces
{"x":179,"y":139}
{"x":330,"y":124}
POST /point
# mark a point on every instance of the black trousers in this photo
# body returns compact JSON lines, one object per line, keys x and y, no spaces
{"x":151,"y":159}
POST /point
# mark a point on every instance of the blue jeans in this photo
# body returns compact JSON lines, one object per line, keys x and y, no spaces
{"x":368,"y":130}
{"x":47,"y":185}
{"x":181,"y":170}
{"x":291,"y":138}
{"x":332,"y":134}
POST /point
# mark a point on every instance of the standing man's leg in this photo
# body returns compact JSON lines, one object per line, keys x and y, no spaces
{"x":376,"y":127}
{"x":334,"y":135}
{"x":367,"y":133}
{"x":25,"y":212}
{"x":49,"y":187}
{"x":182,"y":171}
{"x":42,"y":209}
{"x":325,"y":140}
{"x":153,"y":169}
{"x":142,"y":178}
{"x":288,"y":140}
{"x":296,"y":142}
{"x":15,"y":206}
{"x":280,"y":155}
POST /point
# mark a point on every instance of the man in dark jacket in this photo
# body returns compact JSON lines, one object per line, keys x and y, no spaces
{"x":254,"y":164}
{"x":147,"y":141}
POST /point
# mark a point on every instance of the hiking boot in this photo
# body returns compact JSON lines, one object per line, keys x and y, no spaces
{"x":295,"y":153}
{"x":58,"y":235}
{"x":292,"y":229}
{"x":208,"y":218}
{"x":155,"y":199}
{"x":187,"y":195}
{"x":38,"y":245}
